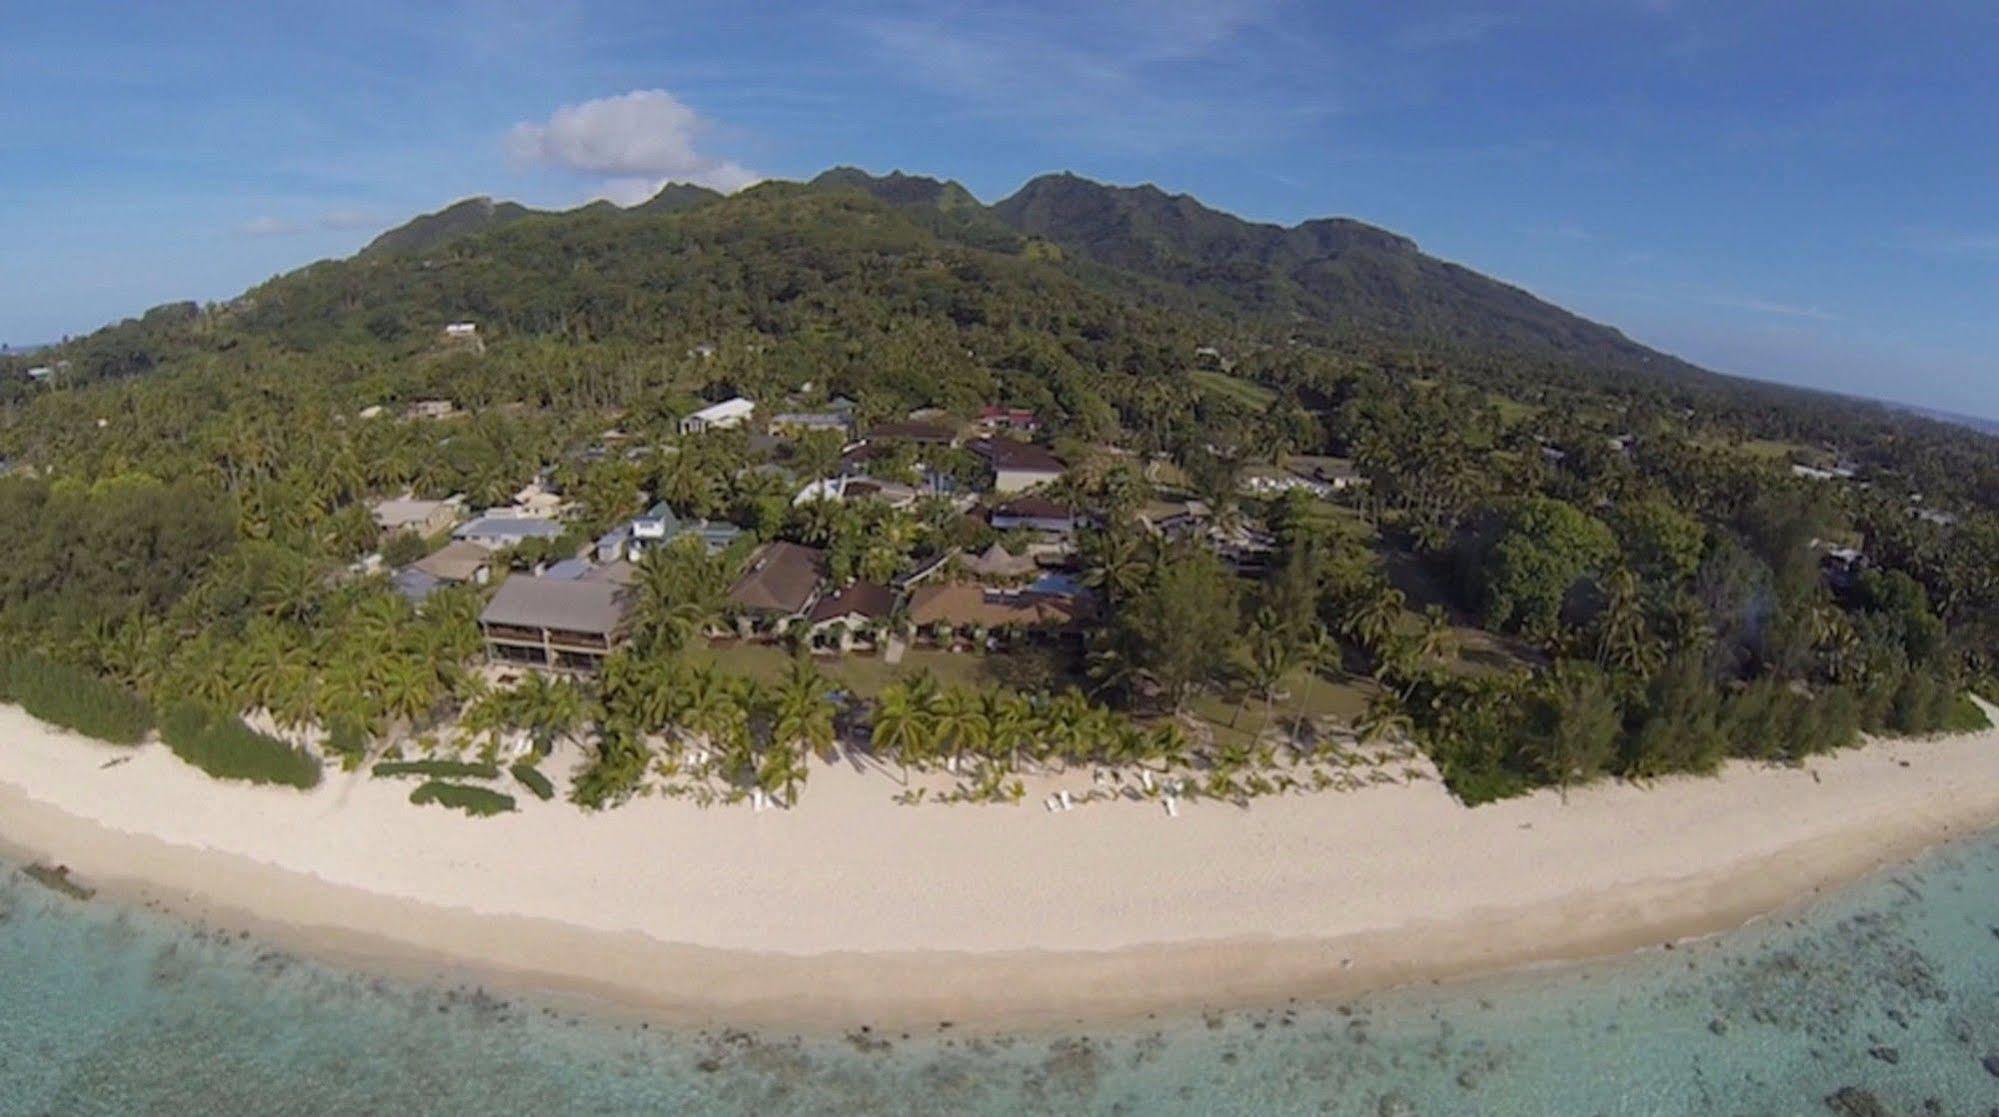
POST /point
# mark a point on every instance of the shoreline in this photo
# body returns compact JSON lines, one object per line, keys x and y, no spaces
{"x":1300,"y":899}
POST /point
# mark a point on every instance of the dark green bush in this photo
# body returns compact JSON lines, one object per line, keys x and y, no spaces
{"x":1966,"y":717}
{"x":221,"y":745}
{"x":475,"y":801}
{"x":438,"y":769}
{"x":531,"y":778}
{"x":403,"y":548}
{"x":347,"y":737}
{"x":74,"y":699}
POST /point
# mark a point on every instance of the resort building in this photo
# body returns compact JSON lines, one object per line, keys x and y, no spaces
{"x":728,"y":414}
{"x":1017,"y":466}
{"x":781,"y":582}
{"x":941,"y":611}
{"x":497,"y":533}
{"x":555,"y":624}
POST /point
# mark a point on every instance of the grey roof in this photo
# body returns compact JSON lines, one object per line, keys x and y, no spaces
{"x":576,"y":606}
{"x":508,"y":527}
{"x":415,"y":585}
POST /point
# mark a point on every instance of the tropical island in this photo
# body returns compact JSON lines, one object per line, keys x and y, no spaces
{"x":1093,"y":496}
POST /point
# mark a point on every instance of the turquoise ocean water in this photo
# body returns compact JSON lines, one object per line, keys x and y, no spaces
{"x":1891,"y":988}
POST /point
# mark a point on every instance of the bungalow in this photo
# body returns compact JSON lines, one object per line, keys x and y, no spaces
{"x":999,"y":564}
{"x":434,"y":409}
{"x":780,"y":583}
{"x":850,"y":611}
{"x":41,"y":374}
{"x":728,"y":414}
{"x":1268,"y":482}
{"x":555,"y":624}
{"x":660,"y":527}
{"x":497,"y":533}
{"x":837,"y":416}
{"x":1035,"y":513}
{"x":1017,"y":466}
{"x":461,"y":331}
{"x":424,"y":517}
{"x":993,"y":419}
{"x":1336,"y":474}
{"x":457,"y":563}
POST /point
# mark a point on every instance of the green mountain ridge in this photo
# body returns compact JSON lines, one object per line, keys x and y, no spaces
{"x":1331,"y":281}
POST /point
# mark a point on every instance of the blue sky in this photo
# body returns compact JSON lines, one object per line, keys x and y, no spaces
{"x":1799,"y":191}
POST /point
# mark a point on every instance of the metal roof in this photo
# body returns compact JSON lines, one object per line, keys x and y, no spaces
{"x":572,"y":606}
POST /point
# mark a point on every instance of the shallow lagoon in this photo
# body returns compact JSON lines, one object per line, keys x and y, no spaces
{"x":1890,"y":988}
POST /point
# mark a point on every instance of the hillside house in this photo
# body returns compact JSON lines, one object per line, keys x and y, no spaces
{"x":424,"y":517}
{"x":1017,"y":466}
{"x":1035,"y":513}
{"x":994,"y":419}
{"x":727,"y":415}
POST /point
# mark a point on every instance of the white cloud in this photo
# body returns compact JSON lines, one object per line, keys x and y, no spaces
{"x":267,"y":226}
{"x":1450,"y":31}
{"x":1149,"y":78}
{"x":637,"y":142}
{"x":342,"y":220}
{"x":1766,"y":306}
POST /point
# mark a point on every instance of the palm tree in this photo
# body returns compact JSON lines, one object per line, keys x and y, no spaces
{"x":1385,"y":718}
{"x":803,"y":714}
{"x":1009,"y":723}
{"x":1272,"y":654}
{"x":1114,"y":563}
{"x":1624,"y":637}
{"x":902,"y":726}
{"x":1317,"y":652}
{"x":961,"y":723}
{"x":1372,"y":617}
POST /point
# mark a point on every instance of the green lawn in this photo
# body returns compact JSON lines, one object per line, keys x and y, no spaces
{"x":1243,"y":391}
{"x":1344,"y":699}
{"x":866,"y":675}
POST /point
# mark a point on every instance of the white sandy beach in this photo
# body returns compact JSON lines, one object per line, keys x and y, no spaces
{"x":852,"y":909}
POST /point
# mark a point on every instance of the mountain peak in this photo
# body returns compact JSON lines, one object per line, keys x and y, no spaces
{"x":899,"y":189}
{"x":459,"y":219}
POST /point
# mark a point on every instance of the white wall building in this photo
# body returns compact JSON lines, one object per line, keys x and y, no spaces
{"x":719,"y":416}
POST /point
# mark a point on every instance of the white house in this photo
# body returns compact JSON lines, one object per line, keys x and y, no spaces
{"x":1017,"y":466}
{"x":719,"y":416}
{"x":461,"y":331}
